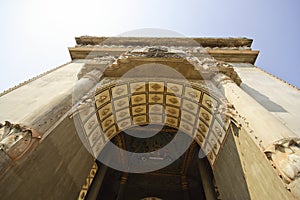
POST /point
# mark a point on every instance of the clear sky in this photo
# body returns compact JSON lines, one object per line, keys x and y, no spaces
{"x":35,"y":34}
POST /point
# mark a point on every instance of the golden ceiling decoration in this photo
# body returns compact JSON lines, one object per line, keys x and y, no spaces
{"x":186,"y":106}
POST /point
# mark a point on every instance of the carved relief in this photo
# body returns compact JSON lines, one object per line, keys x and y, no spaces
{"x":154,"y":98}
{"x":228,"y":112}
{"x":154,"y":52}
{"x":16,"y":139}
{"x":199,"y":61}
{"x":228,"y":70}
{"x":285,"y":158}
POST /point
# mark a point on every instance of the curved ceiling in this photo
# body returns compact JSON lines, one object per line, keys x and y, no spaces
{"x":188,"y":107}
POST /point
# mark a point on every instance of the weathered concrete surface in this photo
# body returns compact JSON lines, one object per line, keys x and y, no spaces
{"x":279,"y":98}
{"x":31,"y":103}
{"x":56,"y":169}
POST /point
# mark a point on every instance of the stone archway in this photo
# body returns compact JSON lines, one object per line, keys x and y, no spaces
{"x":189,"y":107}
{"x":191,"y":104}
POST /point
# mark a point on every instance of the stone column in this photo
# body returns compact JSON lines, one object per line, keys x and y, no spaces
{"x":122,"y":186}
{"x":279,"y":143}
{"x":85,"y":84}
{"x":207,"y":180}
{"x":89,"y":75}
{"x":264,"y":128}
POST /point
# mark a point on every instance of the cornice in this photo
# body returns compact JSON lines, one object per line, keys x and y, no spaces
{"x":225,"y":55}
{"x":167,"y":41}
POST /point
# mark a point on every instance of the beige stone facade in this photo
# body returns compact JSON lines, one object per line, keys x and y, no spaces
{"x":152,"y":118}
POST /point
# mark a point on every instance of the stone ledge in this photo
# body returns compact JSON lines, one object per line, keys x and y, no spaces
{"x":168,"y":41}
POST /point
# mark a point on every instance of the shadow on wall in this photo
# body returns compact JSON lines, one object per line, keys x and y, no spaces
{"x":262,"y":99}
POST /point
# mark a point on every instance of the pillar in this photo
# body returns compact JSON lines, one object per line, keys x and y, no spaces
{"x":85,"y":84}
{"x":265,"y":128}
{"x":279,"y":143}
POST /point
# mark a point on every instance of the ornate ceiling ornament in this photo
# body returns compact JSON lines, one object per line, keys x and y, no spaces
{"x":16,"y":139}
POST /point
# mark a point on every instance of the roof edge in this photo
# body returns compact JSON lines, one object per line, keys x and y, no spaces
{"x":166,"y":41}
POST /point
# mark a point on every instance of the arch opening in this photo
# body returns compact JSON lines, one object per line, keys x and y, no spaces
{"x":170,"y":182}
{"x":120,"y":106}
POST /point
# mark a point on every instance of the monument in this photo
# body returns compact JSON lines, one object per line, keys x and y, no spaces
{"x":152,"y":118}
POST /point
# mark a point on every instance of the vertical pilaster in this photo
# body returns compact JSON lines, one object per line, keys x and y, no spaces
{"x":277,"y":141}
{"x":264,"y":128}
{"x":85,"y":84}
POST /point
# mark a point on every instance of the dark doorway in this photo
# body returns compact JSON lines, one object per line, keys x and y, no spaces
{"x":165,"y":183}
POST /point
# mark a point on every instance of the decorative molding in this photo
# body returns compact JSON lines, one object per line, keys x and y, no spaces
{"x":16,"y":139}
{"x":220,"y":79}
{"x":125,"y":48}
{"x":222,"y":54}
{"x":153,"y":41}
{"x":197,"y":64}
{"x":202,"y":65}
{"x":88,"y":181}
{"x":229,"y":113}
{"x":228,"y":70}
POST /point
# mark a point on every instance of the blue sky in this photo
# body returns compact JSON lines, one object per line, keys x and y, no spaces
{"x":35,"y":34}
